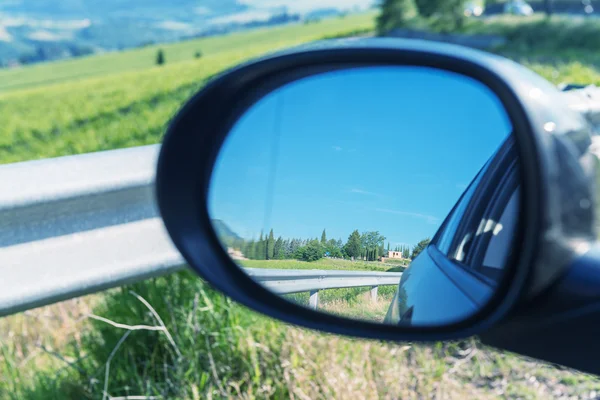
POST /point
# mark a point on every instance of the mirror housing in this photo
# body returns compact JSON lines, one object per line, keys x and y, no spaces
{"x":552,"y":144}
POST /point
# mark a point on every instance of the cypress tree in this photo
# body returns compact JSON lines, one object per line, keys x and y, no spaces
{"x":278,"y":249}
{"x":261,"y":250}
{"x":160,"y":57}
{"x":271,"y":246}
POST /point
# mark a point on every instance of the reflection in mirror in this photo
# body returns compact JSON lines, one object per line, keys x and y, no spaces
{"x":386,"y":194}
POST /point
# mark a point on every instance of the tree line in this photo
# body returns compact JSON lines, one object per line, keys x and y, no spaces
{"x":369,"y":245}
{"x":440,"y":15}
{"x":443,"y":15}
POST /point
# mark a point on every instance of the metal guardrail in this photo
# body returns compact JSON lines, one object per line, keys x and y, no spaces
{"x":286,"y":281}
{"x":584,"y":99}
{"x":76,"y":225}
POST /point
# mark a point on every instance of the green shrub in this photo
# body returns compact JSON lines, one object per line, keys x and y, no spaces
{"x":395,"y":14}
{"x":160,"y":57}
{"x":539,"y":33}
{"x":313,"y":251}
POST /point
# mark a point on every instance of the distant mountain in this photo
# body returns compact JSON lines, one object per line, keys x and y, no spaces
{"x":40,"y":30}
{"x":138,"y":9}
{"x":322,"y":13}
{"x":223,"y":231}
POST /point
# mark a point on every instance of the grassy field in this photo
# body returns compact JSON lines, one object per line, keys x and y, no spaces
{"x":324,"y":263}
{"x":113,"y":345}
{"x":362,"y":309}
{"x":217,"y":349}
{"x":211,"y":47}
{"x":353,"y":303}
{"x":130,"y":100}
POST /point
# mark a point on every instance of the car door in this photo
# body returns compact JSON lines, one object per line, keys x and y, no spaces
{"x":464,"y":260}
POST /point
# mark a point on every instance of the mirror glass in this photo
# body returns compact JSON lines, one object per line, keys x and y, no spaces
{"x":385,"y":193}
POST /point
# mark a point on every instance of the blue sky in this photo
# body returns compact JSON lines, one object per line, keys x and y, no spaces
{"x":385,"y":148}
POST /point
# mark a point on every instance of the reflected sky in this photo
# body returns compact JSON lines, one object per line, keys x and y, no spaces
{"x":373,"y":148}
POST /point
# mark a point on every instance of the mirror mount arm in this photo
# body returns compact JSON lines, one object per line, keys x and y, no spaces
{"x":557,"y":324}
{"x":584,"y":99}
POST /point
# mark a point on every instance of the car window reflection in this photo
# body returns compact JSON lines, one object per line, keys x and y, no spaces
{"x":500,"y":244}
{"x":449,"y":230}
{"x":478,"y":234}
{"x":496,"y":235}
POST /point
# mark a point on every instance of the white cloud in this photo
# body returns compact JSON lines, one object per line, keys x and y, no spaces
{"x":201,"y":10}
{"x":367,"y":193}
{"x":13,"y":21}
{"x":74,"y":24}
{"x":47,"y":36}
{"x":66,"y":24}
{"x":430,"y":219}
{"x":243,"y":17}
{"x":4,"y":35}
{"x":174,"y":25}
{"x":336,"y":148}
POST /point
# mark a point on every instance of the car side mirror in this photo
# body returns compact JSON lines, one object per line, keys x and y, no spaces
{"x":386,"y":189}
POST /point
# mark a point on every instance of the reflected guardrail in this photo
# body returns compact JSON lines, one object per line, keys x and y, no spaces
{"x":287,"y":281}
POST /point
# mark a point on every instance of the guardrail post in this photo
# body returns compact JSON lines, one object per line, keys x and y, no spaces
{"x":374,"y":293}
{"x":314,"y":299}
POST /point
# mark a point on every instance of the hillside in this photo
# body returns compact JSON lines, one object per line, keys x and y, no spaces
{"x":40,"y":30}
{"x":34,"y":31}
{"x":223,"y":231}
{"x":123,"y":99}
{"x":144,"y":58}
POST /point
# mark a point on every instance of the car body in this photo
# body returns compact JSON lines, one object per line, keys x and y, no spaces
{"x":464,"y":258}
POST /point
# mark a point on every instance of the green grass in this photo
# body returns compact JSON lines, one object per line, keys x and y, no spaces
{"x":214,"y":343}
{"x":364,"y":310}
{"x":353,"y":303}
{"x":323,"y":263}
{"x":402,"y":261}
{"x":221,"y":349}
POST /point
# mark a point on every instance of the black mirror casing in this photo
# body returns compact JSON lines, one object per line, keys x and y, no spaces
{"x":551,"y":143}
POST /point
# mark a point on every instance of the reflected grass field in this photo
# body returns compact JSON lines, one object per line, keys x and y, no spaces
{"x":355,"y":303}
{"x":349,"y":302}
{"x":324,"y":263}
